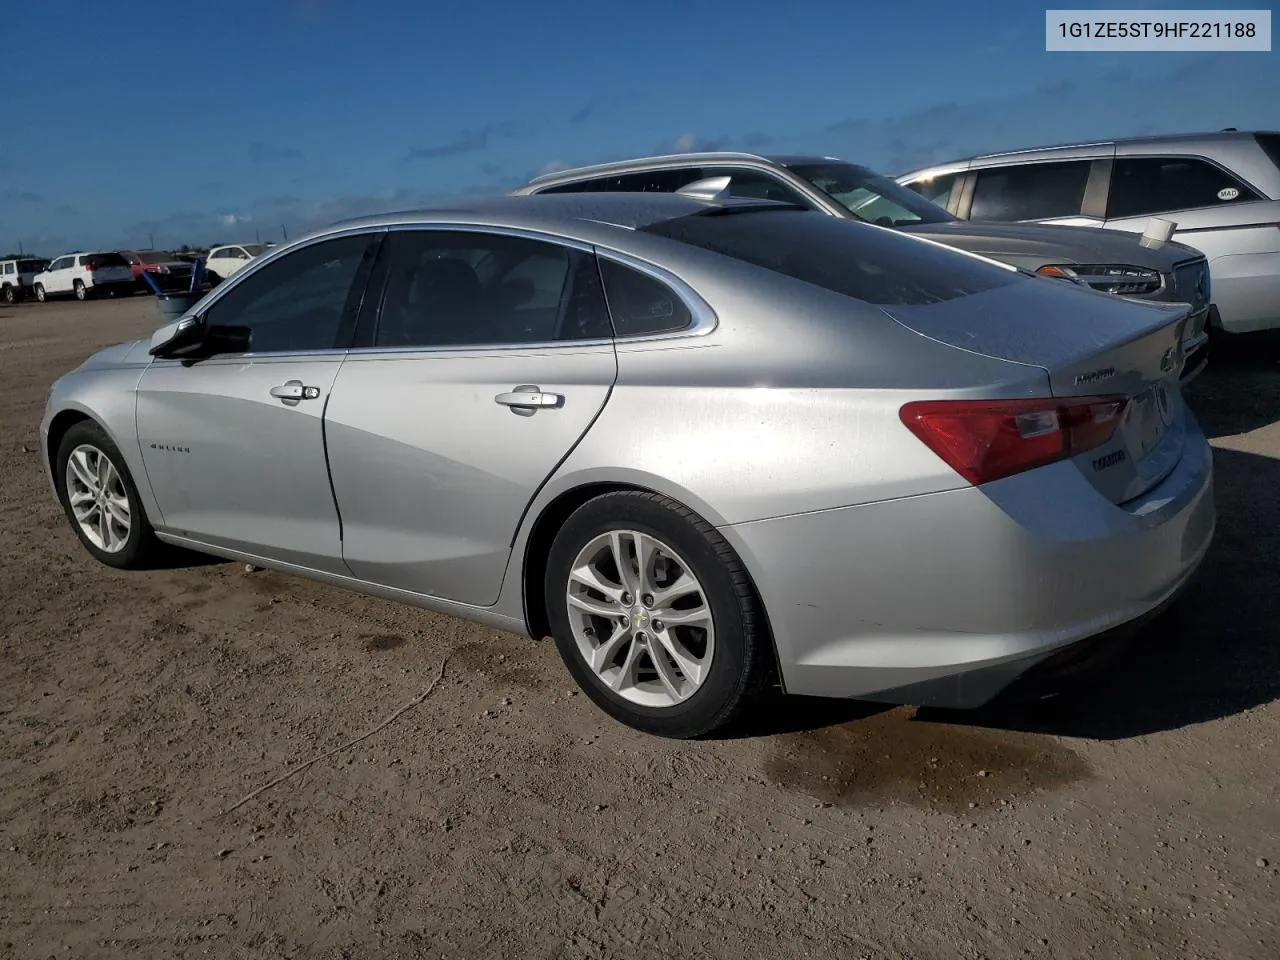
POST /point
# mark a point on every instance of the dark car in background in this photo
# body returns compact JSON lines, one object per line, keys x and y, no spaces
{"x":168,"y":271}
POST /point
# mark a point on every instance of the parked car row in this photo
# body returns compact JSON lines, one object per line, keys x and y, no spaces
{"x":1105,"y":260}
{"x":118,"y":272}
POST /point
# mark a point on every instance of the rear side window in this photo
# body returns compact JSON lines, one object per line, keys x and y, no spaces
{"x":640,"y":305}
{"x":97,"y":260}
{"x":871,"y":264}
{"x":1146,"y":185}
{"x":1032,"y":191}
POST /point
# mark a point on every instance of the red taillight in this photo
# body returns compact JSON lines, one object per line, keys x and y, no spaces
{"x":91,"y":267}
{"x":984,"y":440}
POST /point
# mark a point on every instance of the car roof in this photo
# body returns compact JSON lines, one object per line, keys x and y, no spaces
{"x":1153,"y":140}
{"x":679,"y":159}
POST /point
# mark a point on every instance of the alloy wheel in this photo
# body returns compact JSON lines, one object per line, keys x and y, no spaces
{"x":99,"y":502}
{"x":640,"y":618}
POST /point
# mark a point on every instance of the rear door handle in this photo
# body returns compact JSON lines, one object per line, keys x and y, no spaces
{"x":291,"y":391}
{"x":528,"y":398}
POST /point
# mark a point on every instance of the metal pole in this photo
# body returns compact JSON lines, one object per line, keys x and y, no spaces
{"x":152,"y":238}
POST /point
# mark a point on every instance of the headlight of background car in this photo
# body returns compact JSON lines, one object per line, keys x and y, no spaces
{"x":1121,"y":279}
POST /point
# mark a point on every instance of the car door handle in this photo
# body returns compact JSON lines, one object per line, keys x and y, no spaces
{"x":294,"y":390}
{"x":529,"y":397}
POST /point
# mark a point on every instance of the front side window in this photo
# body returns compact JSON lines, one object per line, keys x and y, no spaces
{"x":1145,"y":185}
{"x":62,"y":263}
{"x":1032,"y":191}
{"x":448,"y":288}
{"x":303,"y":300}
{"x":871,"y":196}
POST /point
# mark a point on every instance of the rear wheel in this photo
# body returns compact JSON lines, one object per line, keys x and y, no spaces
{"x":82,"y":292}
{"x":40,"y":294}
{"x":10,"y":294}
{"x":654,"y":615}
{"x":101,"y":500}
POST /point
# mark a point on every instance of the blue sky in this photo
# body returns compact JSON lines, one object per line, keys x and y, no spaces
{"x":222,"y":121}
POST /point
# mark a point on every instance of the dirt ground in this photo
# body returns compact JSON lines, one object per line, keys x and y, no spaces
{"x":503,"y":816}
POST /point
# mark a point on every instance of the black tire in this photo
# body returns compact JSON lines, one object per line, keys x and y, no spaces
{"x":40,"y":294}
{"x":10,"y":294}
{"x":81,"y":291}
{"x":141,"y":548}
{"x":742,"y":664}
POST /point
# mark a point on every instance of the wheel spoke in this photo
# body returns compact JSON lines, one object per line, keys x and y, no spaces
{"x":698,"y":616}
{"x":79,"y":498}
{"x":604,"y":654}
{"x":589,"y":577}
{"x":102,"y":468}
{"x":626,"y":675}
{"x":666,"y":676}
{"x":683,"y":586}
{"x":84,"y":473}
{"x":599,"y":608}
{"x":622,"y":559}
{"x":691,"y":668}
{"x":104,"y":530}
{"x":645,"y":556}
{"x":118,"y":507}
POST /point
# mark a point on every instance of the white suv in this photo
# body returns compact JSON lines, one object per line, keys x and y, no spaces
{"x":16,"y":277}
{"x":84,"y":275}
{"x":222,"y":262}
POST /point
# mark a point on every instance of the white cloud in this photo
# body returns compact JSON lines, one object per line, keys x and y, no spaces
{"x":685,"y":142}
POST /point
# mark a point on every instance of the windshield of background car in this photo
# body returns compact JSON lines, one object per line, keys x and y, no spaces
{"x":871,"y":196}
{"x":875,"y":266}
{"x":255,"y":249}
{"x":31,"y":266}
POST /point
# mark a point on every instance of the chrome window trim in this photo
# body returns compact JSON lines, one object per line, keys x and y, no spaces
{"x":703,"y":322}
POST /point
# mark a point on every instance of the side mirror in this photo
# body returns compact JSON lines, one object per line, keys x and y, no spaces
{"x":175,"y":339}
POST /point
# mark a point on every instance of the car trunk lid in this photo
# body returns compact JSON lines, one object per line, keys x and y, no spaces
{"x":1090,"y":345}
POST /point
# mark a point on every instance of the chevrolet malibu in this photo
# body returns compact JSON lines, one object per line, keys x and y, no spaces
{"x":708,"y":446}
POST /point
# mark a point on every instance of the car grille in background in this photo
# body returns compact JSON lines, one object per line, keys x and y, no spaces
{"x":1191,"y":283}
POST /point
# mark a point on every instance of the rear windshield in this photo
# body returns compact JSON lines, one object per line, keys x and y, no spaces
{"x":255,"y":249}
{"x":1270,"y":142}
{"x":106,"y":260}
{"x":31,"y":266}
{"x":870,"y":264}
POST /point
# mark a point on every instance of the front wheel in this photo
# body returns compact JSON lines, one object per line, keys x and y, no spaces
{"x":40,"y":294}
{"x":655,"y":617}
{"x":101,"y":500}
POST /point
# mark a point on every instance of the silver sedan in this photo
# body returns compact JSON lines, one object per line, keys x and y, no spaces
{"x":708,"y":446}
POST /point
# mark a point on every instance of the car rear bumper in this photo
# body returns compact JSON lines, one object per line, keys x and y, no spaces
{"x":945,"y":599}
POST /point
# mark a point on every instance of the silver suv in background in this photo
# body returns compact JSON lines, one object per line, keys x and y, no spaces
{"x":1222,"y":190}
{"x":1106,"y":260}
